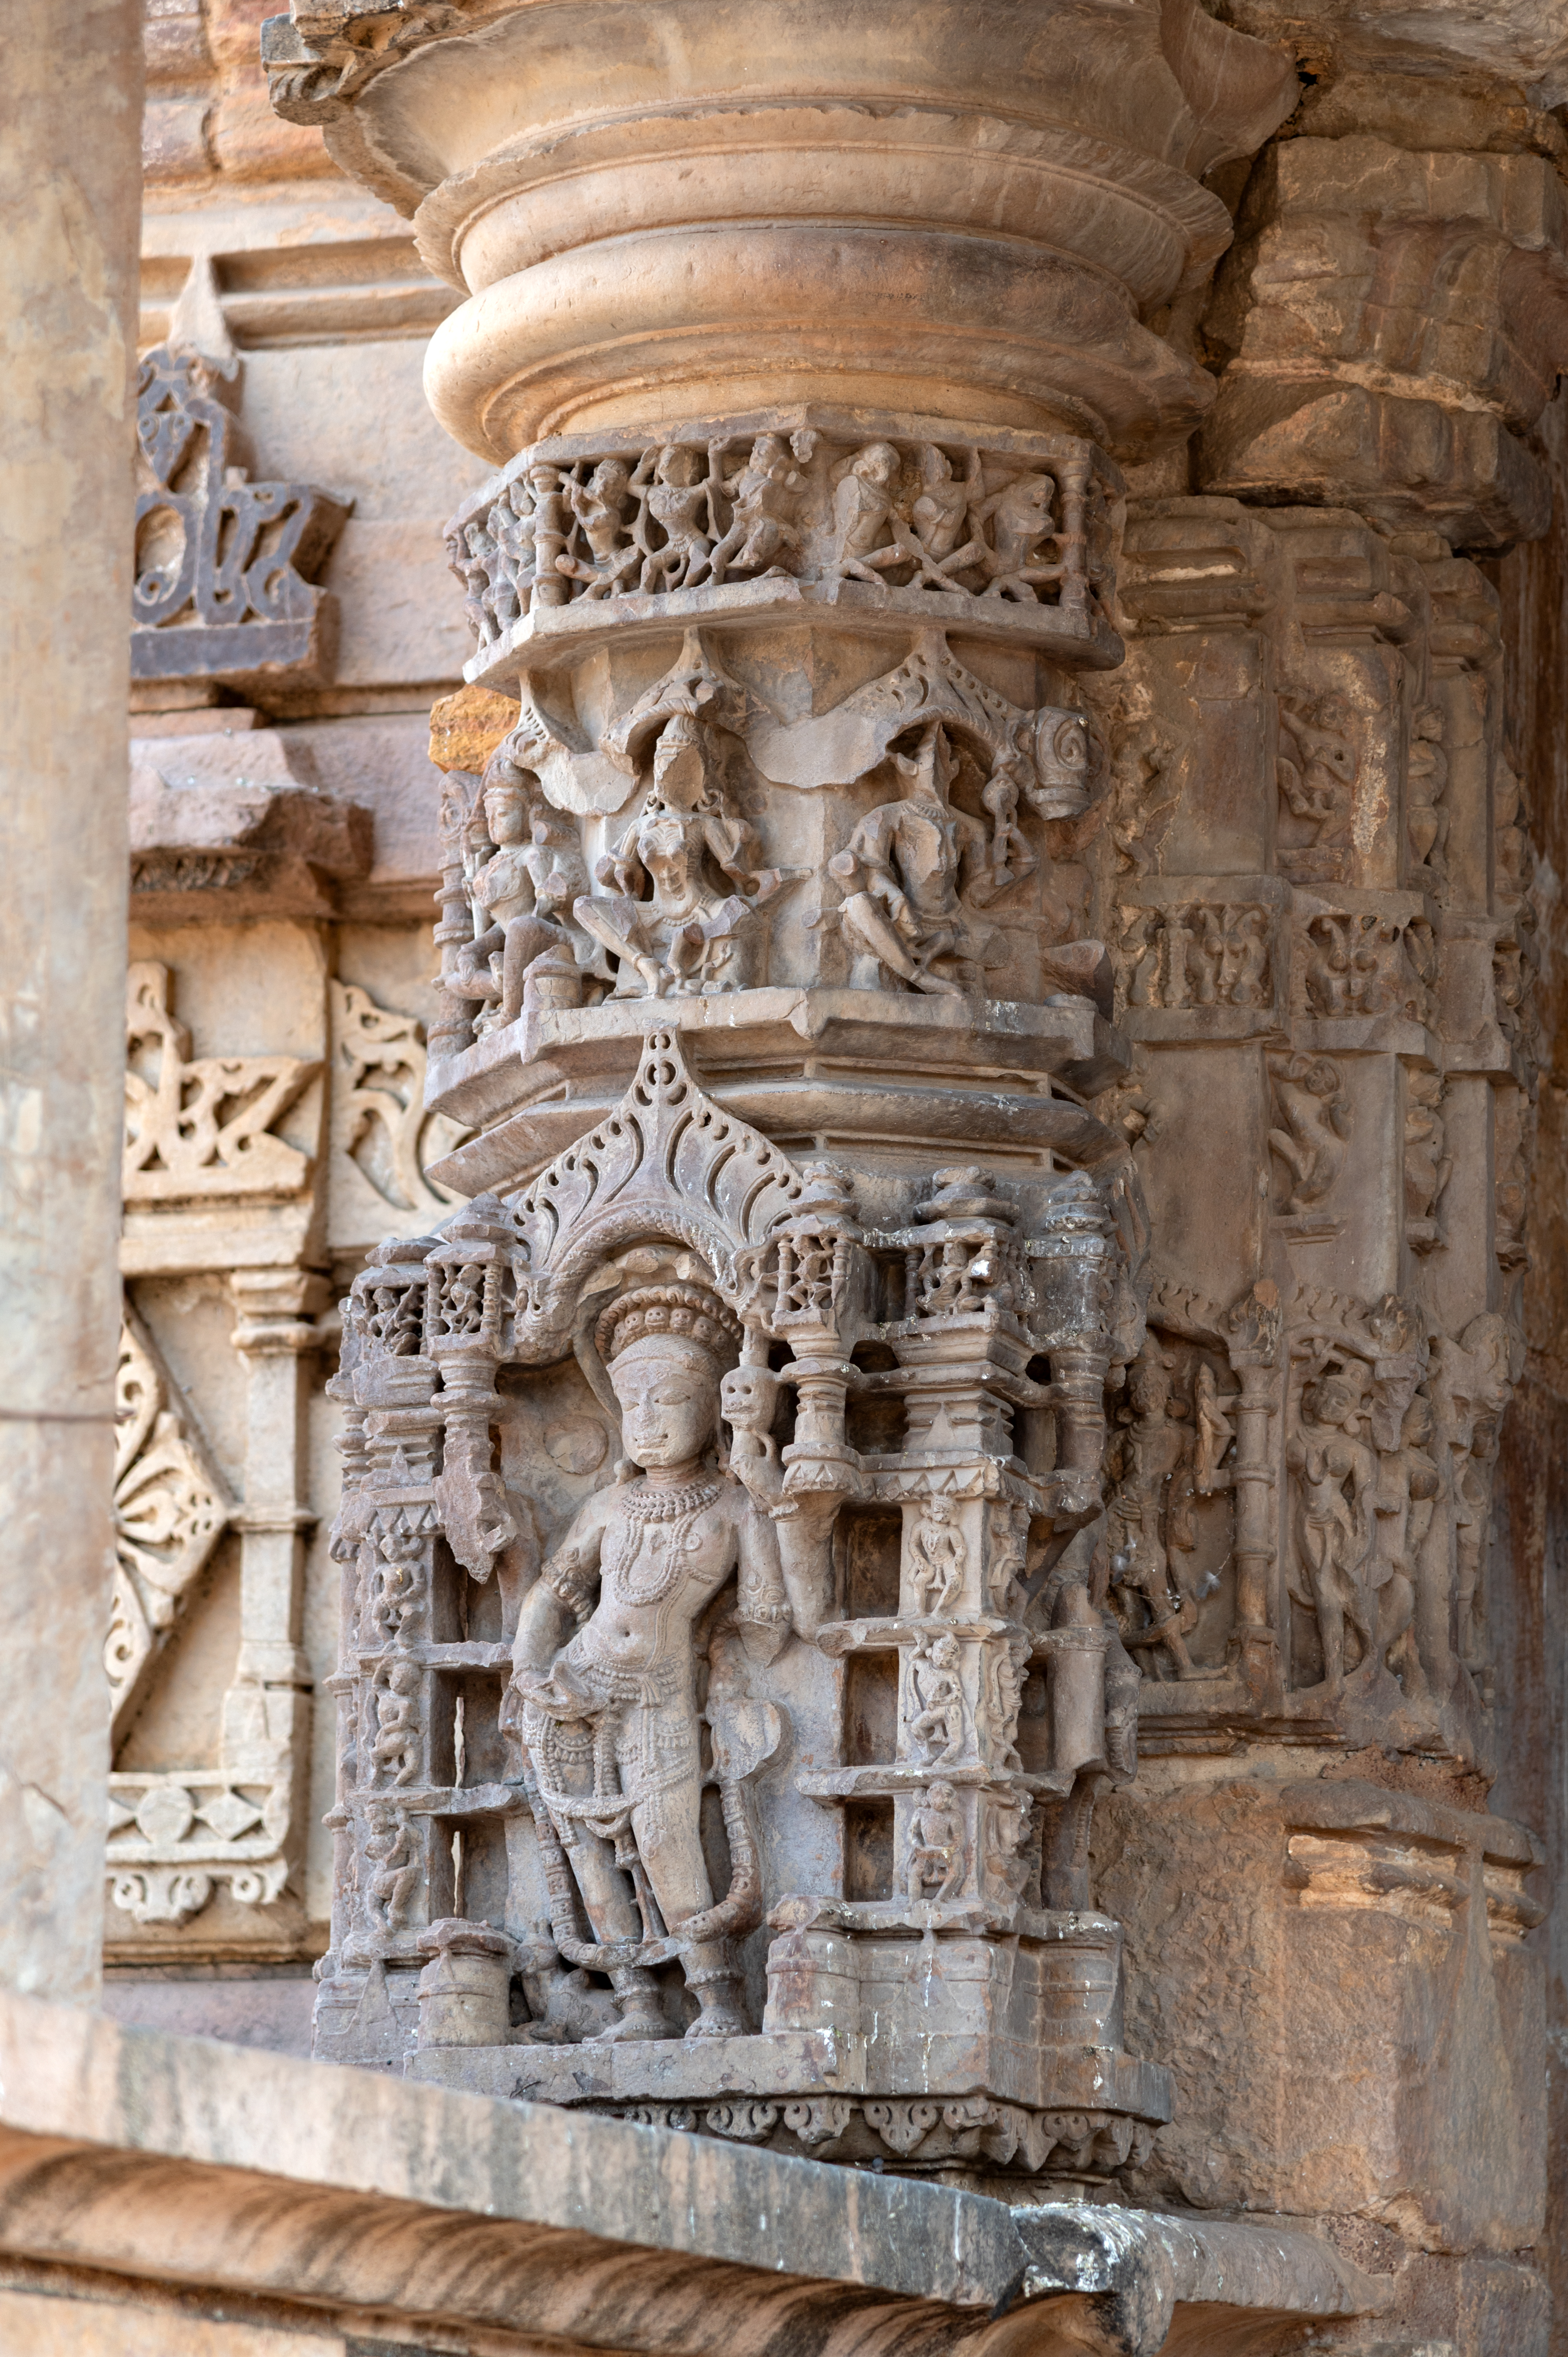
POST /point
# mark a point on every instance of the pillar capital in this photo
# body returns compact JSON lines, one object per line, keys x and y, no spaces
{"x":658,"y":212}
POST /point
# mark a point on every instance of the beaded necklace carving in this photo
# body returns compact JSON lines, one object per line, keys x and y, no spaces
{"x":655,"y":1525}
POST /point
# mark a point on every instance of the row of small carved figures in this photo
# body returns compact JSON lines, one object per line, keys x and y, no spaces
{"x":1221,"y":955}
{"x":877,"y":514}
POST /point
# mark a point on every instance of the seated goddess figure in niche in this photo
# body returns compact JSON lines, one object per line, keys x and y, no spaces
{"x":680,"y":936}
{"x":604,"y":1696}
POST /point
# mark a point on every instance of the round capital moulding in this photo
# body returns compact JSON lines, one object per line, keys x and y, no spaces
{"x":654,"y":328}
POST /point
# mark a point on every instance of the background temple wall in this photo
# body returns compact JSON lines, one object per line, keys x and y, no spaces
{"x":267,"y":253}
{"x":1531,"y":1528}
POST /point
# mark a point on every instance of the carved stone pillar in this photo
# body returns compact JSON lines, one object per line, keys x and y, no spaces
{"x":68,"y":194}
{"x":824,"y":836}
{"x":800,"y":1261}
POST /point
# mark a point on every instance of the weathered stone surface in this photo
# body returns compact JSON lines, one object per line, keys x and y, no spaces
{"x":67,"y":184}
{"x":275,"y":2179}
{"x":224,"y":827}
{"x":858,"y":792}
{"x":1355,"y":2015}
{"x":1393,"y":325}
{"x":832,"y":812}
{"x":907,"y":268}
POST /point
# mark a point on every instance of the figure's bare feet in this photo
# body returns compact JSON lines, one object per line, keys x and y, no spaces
{"x":640,"y":2024}
{"x":717,"y":2022}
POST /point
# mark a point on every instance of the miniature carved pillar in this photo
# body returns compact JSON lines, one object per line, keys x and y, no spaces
{"x":70,"y":200}
{"x":266,"y":1711}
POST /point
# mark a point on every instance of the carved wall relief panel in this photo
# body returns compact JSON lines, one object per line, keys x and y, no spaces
{"x":564,"y":526}
{"x":223,"y":566}
{"x":170,"y":1510}
{"x":210,"y":1801}
{"x":202,"y":1126}
{"x":1328,"y":1130}
{"x":381,"y":1137}
{"x":993,"y":1032}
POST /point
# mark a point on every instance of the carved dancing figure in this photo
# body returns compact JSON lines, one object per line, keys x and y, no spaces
{"x":1020,"y":516}
{"x":765,"y":493}
{"x":1008,"y":1670}
{"x":394,"y":1879}
{"x":938,"y":1557}
{"x":604,"y":1694}
{"x":939,"y":518}
{"x":1317,"y":775}
{"x":937,"y":1844}
{"x":473,"y":561}
{"x":599,"y":509}
{"x":907,"y":862}
{"x":1156,"y":1453}
{"x":397,"y":1319}
{"x":1337,"y":1476}
{"x":1404,"y":1503}
{"x":680,"y":501}
{"x":511,"y":521}
{"x":865,"y":493}
{"x":937,"y":1728}
{"x":396,"y":1741}
{"x":1314,"y":1135}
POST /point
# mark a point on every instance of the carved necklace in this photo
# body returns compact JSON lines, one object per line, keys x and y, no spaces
{"x":666,"y":1546}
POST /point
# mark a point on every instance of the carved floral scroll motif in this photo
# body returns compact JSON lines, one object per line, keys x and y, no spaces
{"x":202,"y":1125}
{"x":379,"y":1121}
{"x":223,"y":566}
{"x":170,"y":1510}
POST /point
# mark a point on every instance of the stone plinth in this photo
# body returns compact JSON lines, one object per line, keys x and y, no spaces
{"x":175,"y":2198}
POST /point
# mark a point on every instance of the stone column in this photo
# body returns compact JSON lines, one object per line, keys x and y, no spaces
{"x":807,"y":409}
{"x":70,"y":208}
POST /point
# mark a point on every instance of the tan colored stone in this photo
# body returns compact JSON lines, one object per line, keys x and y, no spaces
{"x":174,"y":139}
{"x":247,"y":142}
{"x":467,"y":727}
{"x":1394,"y":323}
{"x":541,"y":2217}
{"x":42,"y":2324}
{"x":1241,"y":926}
{"x":68,"y":175}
